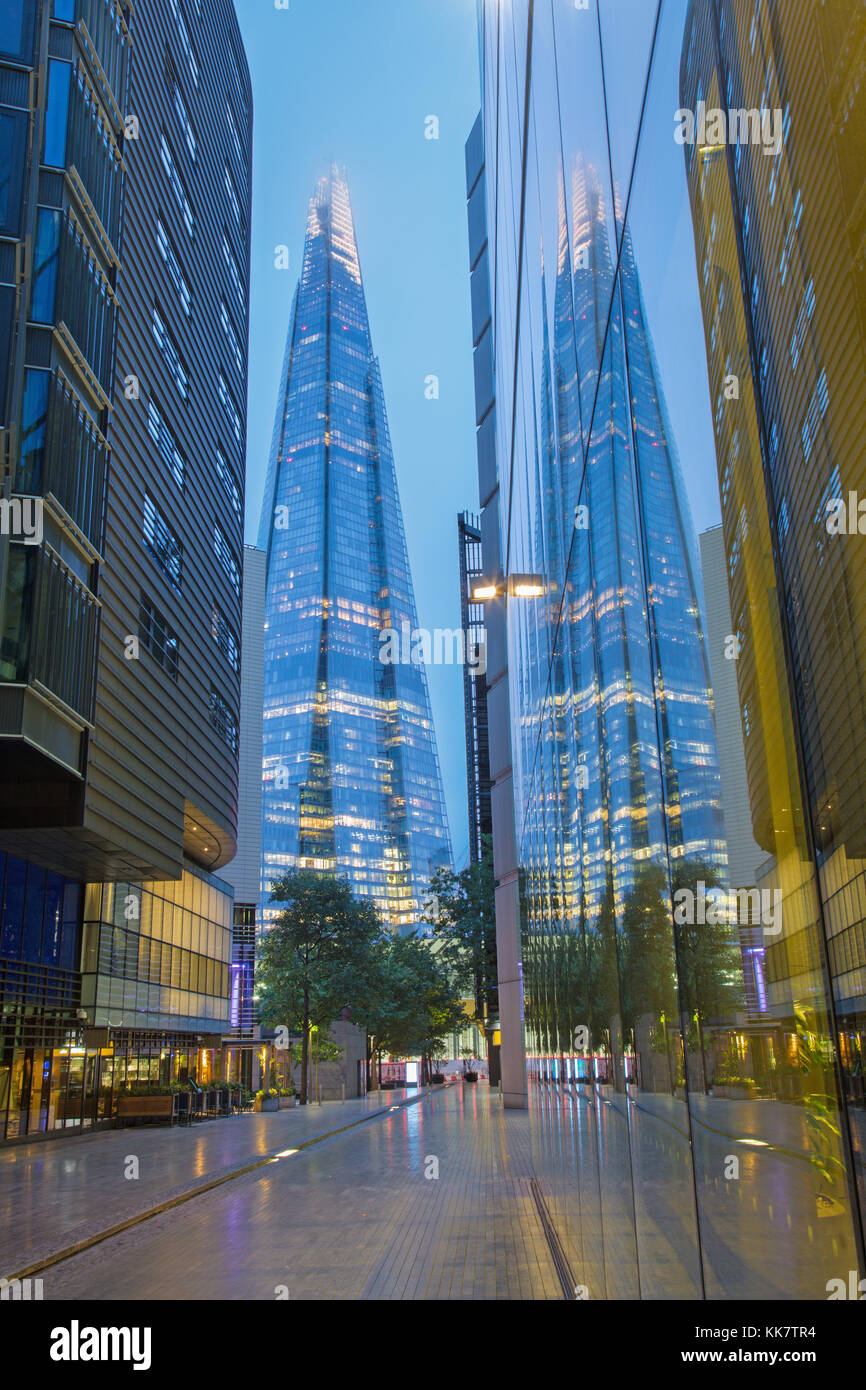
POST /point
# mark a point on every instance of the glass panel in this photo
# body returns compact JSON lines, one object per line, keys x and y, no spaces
{"x":688,"y":723}
{"x":46,"y":255}
{"x":13,"y":146}
{"x":57,"y":112}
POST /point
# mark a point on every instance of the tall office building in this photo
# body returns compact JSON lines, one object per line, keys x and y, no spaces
{"x":126,"y":140}
{"x":629,"y":989}
{"x":350,"y":766}
{"x":778,"y":236}
{"x":474,"y":687}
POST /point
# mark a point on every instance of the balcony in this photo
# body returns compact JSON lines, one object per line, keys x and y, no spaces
{"x":70,"y":291}
{"x":64,"y":455}
{"x":50,"y":623}
{"x":95,"y":168}
{"x":105,"y":39}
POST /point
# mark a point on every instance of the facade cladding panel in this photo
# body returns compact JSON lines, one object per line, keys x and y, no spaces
{"x":639,"y":998}
{"x":163,"y":758}
{"x":123,"y":394}
{"x":351,"y":779}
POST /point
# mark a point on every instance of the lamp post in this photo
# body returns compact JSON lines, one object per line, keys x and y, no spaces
{"x":494,"y":594}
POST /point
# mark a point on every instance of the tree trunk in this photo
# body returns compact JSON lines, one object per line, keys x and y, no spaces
{"x":369,"y":1062}
{"x":305,"y":1049}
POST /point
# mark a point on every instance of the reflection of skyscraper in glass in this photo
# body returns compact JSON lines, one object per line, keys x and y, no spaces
{"x":640,"y":672}
{"x":350,"y":768}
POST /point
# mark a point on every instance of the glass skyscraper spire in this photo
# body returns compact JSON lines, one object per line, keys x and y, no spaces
{"x":351,"y":781}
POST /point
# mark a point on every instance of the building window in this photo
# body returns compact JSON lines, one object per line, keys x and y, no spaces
{"x":231,"y":409}
{"x":815,"y":414}
{"x":170,"y":355}
{"x":231,"y":335}
{"x":156,"y":634}
{"x":180,"y":107}
{"x":164,"y":440}
{"x":223,"y":719}
{"x":233,"y":197}
{"x":185,"y":40}
{"x":227,"y":479}
{"x":168,"y":254}
{"x":234,"y":272}
{"x":223,"y":635}
{"x":229,"y":564}
{"x":177,"y":184}
{"x":161,"y":541}
{"x":233,"y":131}
{"x":57,"y":113}
{"x":45,"y":258}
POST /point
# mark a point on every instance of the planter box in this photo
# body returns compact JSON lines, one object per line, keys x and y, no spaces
{"x":437,"y":1079}
{"x":288,"y":1102}
{"x":267,"y":1103}
{"x":470,"y":1076}
{"x":144,"y":1107}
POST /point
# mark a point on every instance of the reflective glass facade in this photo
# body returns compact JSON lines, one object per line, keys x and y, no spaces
{"x":669,"y":336}
{"x":351,"y":780}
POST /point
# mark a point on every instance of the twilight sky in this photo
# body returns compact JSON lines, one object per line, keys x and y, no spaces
{"x":353,"y":81}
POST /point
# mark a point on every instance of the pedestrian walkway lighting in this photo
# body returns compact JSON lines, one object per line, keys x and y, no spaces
{"x":526,"y":586}
{"x":517,"y":586}
{"x":485,"y":591}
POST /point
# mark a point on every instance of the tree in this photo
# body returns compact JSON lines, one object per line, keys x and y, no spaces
{"x":462,"y":913}
{"x":406,"y":1000}
{"x":311,"y":959}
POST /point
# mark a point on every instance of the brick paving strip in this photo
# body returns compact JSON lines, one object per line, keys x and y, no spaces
{"x":47,"y":1259}
{"x":351,"y":1219}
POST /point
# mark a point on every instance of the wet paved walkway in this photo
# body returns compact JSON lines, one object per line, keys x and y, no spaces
{"x":359,"y":1215}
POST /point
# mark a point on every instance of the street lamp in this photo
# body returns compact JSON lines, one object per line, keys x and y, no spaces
{"x":515,"y":586}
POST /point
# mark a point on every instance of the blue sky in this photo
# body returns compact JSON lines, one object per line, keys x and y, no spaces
{"x":353,"y":81}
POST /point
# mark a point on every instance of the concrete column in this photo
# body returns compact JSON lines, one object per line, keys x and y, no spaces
{"x":512,"y":1053}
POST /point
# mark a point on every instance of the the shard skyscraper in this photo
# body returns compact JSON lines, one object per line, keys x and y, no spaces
{"x":351,"y":777}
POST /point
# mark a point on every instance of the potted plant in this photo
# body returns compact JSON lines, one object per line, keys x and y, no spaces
{"x":267,"y":1100}
{"x":469,"y":1072}
{"x":288,"y":1099}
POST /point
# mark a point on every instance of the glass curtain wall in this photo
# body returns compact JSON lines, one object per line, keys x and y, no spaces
{"x":668,"y":359}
